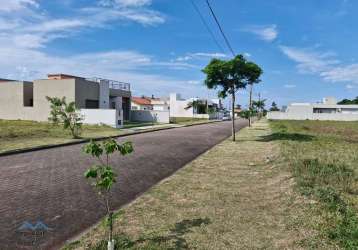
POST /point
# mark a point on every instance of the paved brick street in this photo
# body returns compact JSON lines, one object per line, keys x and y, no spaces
{"x":49,"y":186}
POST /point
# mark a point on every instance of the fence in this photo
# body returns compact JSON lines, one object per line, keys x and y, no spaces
{"x":108,"y":117}
{"x":150,"y":116}
{"x":312,"y":116}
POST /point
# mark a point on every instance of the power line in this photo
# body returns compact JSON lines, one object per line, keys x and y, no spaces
{"x":207,"y":26}
{"x":221,"y":29}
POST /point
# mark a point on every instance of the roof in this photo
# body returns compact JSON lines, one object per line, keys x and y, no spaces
{"x":6,"y":80}
{"x":141,"y":100}
{"x":61,"y":76}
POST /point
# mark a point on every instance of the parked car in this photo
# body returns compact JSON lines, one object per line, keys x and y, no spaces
{"x":226,"y":118}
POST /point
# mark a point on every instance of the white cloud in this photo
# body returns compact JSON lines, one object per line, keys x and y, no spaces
{"x":348,"y":73}
{"x":57,"y":25}
{"x":265,"y":32}
{"x":127,"y":66}
{"x":350,"y":86}
{"x":16,"y":5}
{"x":36,"y":28}
{"x":324,"y":65}
{"x":199,"y":56}
{"x":246,"y":54}
{"x":125,"y":3}
{"x":195,"y":82}
{"x":308,"y":60}
{"x":24,"y":35}
{"x":289,"y":86}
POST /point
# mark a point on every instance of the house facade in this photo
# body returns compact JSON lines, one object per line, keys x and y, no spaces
{"x":180,"y":107}
{"x":99,"y":100}
{"x":328,"y":109}
{"x":141,"y":103}
{"x":150,"y":109}
{"x":150,"y":103}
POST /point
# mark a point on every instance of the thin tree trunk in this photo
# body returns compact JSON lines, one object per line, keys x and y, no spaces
{"x":110,"y":218}
{"x":233,"y":114}
{"x":250,"y":104}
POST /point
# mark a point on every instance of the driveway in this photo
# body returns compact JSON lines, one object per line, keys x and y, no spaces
{"x":48,"y":185}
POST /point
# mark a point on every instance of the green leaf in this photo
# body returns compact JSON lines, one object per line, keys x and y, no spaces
{"x":91,"y":173}
{"x":93,"y":148}
{"x":110,"y":145}
{"x":126,"y":148}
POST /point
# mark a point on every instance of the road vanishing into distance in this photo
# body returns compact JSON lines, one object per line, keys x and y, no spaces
{"x":48,"y":186}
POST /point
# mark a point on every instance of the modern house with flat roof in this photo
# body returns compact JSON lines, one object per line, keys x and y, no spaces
{"x":180,"y":107}
{"x":100,"y":101}
{"x":328,"y":109}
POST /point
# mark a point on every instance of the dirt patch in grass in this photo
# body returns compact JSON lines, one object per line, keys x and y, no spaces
{"x":238,"y":195}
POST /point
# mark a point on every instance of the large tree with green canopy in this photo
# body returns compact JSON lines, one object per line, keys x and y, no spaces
{"x":229,"y":76}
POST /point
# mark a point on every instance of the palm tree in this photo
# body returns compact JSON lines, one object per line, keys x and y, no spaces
{"x":259,"y":106}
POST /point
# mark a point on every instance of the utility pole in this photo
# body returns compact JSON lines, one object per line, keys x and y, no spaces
{"x":260,"y":107}
{"x":250,"y":104}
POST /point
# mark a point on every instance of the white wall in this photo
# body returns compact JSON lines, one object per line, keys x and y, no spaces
{"x":276,"y":115}
{"x":100,"y":116}
{"x":150,"y":116}
{"x":178,"y":106}
{"x":160,"y":107}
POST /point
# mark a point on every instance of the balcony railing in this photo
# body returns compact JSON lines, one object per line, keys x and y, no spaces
{"x":112,"y":83}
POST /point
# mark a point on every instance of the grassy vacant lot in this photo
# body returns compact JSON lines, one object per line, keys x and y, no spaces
{"x":23,"y":134}
{"x":235,"y":196}
{"x":323,"y":157}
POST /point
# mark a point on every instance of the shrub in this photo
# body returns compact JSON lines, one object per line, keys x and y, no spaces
{"x":66,"y":114}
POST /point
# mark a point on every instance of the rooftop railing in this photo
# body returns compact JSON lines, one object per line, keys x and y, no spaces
{"x":112,"y":83}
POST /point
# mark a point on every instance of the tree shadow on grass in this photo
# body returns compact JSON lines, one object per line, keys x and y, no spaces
{"x":174,"y":240}
{"x":286,"y":137}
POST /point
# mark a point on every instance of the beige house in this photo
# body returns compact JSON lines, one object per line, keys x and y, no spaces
{"x":99,"y":100}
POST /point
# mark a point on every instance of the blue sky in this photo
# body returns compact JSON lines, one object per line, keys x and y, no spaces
{"x":307,"y":49}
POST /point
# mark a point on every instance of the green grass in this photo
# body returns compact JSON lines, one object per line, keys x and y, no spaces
{"x":323,"y":159}
{"x":187,"y":120}
{"x":138,"y":124}
{"x":19,"y":134}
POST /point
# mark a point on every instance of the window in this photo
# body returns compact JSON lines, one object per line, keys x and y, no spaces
{"x":28,"y":95}
{"x":92,"y":104}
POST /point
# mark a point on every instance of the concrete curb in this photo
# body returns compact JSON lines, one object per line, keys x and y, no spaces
{"x":49,"y":146}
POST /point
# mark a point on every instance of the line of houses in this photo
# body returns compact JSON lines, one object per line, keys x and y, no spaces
{"x":100,"y":101}
{"x":327,"y":109}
